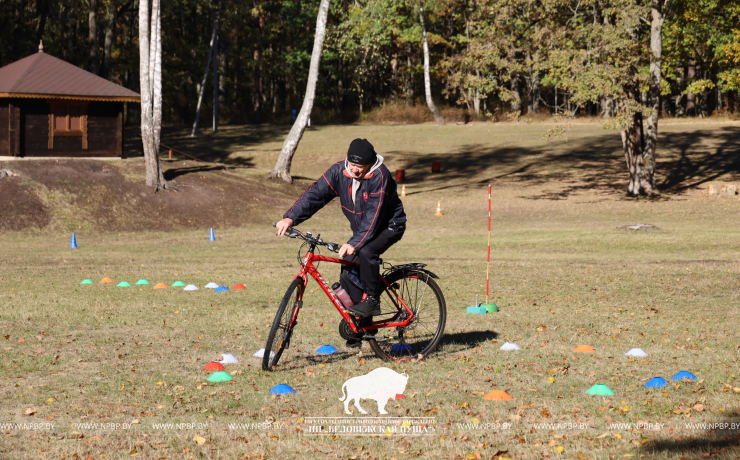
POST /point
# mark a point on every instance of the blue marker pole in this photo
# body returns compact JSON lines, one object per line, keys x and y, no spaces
{"x":212,"y":237}
{"x":73,"y":244}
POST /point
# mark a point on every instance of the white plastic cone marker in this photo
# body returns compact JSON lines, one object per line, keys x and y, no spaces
{"x":261,"y":353}
{"x":190,"y":287}
{"x":636,"y":352}
{"x":228,"y":358}
{"x":508,"y":346}
{"x":212,"y":285}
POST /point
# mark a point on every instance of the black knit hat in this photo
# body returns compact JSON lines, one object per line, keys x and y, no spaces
{"x":361,"y":152}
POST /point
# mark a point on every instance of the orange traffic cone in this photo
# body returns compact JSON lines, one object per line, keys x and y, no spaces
{"x":439,"y":209}
{"x":403,"y":190}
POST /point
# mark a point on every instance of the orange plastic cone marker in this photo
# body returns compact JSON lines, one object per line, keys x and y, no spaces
{"x":403,"y":190}
{"x":159,"y":286}
{"x":498,"y":395}
{"x":239,"y":286}
{"x":106,"y":280}
{"x":214,"y":366}
{"x":584,"y":349}
{"x":439,"y":209}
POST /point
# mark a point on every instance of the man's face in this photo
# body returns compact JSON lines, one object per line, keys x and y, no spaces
{"x":358,"y":171}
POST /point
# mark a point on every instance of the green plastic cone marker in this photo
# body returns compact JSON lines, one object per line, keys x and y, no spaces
{"x":490,"y":307}
{"x":220,"y":376}
{"x":87,"y":282}
{"x":123,"y":284}
{"x":178,"y":284}
{"x":142,"y":281}
{"x":600,"y":390}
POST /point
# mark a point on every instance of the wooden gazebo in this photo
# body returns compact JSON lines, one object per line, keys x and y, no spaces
{"x":50,"y":108}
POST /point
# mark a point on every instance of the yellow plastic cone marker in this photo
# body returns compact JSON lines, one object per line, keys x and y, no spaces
{"x":439,"y":209}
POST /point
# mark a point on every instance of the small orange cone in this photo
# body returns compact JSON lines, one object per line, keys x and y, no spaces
{"x":498,"y":395}
{"x":403,"y":190}
{"x":439,"y":209}
{"x":106,"y":280}
{"x":159,"y":286}
{"x":584,"y":349}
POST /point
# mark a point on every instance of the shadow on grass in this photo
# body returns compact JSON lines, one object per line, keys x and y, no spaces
{"x":684,"y":160}
{"x":208,"y":146}
{"x":464,"y":340}
{"x":721,"y":442}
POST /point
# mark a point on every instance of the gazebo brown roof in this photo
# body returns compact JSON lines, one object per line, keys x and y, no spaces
{"x":43,"y":76}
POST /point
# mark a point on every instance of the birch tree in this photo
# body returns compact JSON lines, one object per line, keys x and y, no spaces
{"x":282,"y":167}
{"x":150,"y":75}
{"x":427,"y":80}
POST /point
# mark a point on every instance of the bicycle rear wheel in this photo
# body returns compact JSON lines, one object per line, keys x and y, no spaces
{"x":424,"y":297}
{"x":282,"y":327}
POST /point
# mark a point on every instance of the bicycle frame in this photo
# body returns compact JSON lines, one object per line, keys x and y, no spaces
{"x":308,"y":268}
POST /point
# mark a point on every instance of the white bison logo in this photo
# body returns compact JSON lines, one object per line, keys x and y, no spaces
{"x":381,"y":384}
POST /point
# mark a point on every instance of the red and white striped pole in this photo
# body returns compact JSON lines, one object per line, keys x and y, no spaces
{"x":488,"y":260}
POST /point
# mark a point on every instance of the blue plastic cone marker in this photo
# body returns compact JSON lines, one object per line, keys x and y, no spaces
{"x":282,"y":389}
{"x":684,"y":375}
{"x":656,"y":382}
{"x":212,"y":237}
{"x":477,"y":310}
{"x":73,"y":244}
{"x":326,"y":350}
{"x":221,"y":289}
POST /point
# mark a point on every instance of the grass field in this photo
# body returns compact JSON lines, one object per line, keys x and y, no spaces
{"x":562,"y":274}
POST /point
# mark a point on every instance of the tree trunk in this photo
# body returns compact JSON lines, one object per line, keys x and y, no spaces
{"x":20,"y":19}
{"x":108,"y":44}
{"x":94,"y":62}
{"x":690,"y":97}
{"x":150,"y":75}
{"x":656,"y":46}
{"x":427,"y":80}
{"x":410,"y":83}
{"x":394,"y":75}
{"x":534,"y":87}
{"x":256,"y":81}
{"x":42,"y":8}
{"x":516,"y":98}
{"x":282,"y":167}
{"x":633,"y":142}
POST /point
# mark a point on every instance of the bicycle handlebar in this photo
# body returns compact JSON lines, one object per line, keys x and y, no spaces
{"x":295,"y":233}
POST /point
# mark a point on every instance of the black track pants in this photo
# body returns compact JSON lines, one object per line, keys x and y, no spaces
{"x":369,"y":258}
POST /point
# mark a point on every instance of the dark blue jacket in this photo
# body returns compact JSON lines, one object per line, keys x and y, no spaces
{"x":377,"y":204}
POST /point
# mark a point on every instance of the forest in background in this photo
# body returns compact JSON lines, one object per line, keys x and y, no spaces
{"x":496,"y":59}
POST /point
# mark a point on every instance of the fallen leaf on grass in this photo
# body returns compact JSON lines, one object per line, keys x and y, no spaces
{"x":30,"y":411}
{"x":698,"y":407}
{"x":200,"y":440}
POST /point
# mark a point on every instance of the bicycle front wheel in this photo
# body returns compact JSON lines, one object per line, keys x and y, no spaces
{"x":282,"y":327}
{"x":420,"y":337}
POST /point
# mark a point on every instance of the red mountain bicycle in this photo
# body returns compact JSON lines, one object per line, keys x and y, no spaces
{"x":413,"y":308}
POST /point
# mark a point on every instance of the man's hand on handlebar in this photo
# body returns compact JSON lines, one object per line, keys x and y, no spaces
{"x":346,"y":249}
{"x":283,"y":225}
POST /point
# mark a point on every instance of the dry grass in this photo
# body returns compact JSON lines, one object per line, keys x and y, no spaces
{"x":561,"y":272}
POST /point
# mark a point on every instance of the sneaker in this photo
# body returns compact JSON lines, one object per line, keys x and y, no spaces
{"x":357,"y":343}
{"x":368,"y":307}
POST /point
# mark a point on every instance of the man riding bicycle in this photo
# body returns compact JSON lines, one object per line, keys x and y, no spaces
{"x":369,"y":200}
